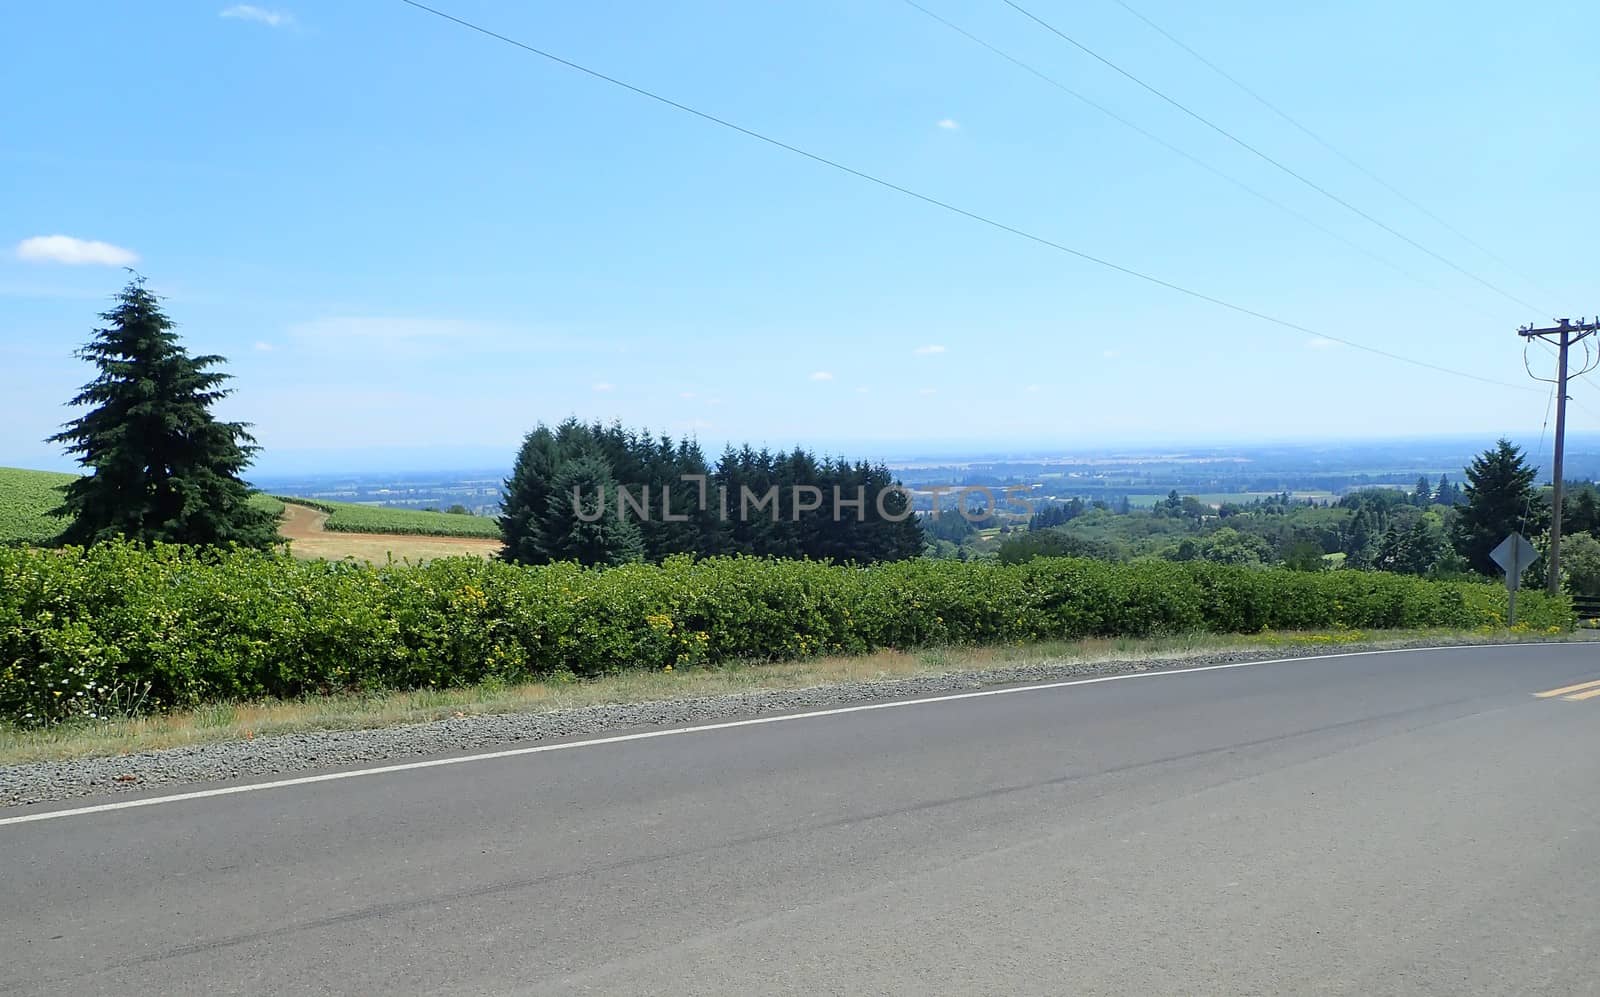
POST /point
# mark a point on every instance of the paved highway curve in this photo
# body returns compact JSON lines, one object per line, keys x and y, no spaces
{"x":1403,"y":822}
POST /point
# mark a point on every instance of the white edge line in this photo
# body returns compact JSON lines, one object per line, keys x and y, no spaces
{"x":307,"y":780}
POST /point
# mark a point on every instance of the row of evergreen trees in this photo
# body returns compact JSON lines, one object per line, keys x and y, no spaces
{"x":602,"y":494}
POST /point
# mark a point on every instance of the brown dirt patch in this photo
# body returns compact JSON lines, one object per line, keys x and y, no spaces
{"x":303,"y":527}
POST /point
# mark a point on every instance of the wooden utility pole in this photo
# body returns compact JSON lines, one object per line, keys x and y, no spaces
{"x":1564,"y":333}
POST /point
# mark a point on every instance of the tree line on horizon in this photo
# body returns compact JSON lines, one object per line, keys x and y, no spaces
{"x":162,"y":468}
{"x":1440,"y":531}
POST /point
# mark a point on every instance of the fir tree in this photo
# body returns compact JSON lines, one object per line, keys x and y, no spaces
{"x":1500,"y":500}
{"x":161,"y":467}
{"x":581,"y":521}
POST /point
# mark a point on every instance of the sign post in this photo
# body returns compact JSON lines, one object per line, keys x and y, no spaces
{"x":1513,"y":555}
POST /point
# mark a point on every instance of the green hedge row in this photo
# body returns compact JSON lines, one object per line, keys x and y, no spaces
{"x":82,"y":630}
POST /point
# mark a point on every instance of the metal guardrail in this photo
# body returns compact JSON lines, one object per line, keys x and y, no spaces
{"x":1587,"y":607}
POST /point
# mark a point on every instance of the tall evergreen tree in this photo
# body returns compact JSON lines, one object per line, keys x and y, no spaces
{"x":1422,"y":495}
{"x":581,"y":521}
{"x":1358,"y":547}
{"x":1499,"y":494}
{"x":161,"y":467}
{"x":527,"y":498}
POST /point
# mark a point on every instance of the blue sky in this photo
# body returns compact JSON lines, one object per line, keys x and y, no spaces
{"x":413,"y":242}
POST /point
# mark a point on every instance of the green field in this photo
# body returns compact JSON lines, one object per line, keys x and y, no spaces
{"x":351,"y":517}
{"x":26,"y":498}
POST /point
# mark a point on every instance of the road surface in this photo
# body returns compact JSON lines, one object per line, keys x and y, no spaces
{"x":1415,"y":822}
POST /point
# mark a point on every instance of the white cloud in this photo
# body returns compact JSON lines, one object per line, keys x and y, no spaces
{"x":66,"y":249}
{"x":923,"y":351}
{"x":1321,"y":343}
{"x":949,"y":124}
{"x":1110,"y":354}
{"x":1032,"y":388}
{"x":927,"y":391}
{"x":604,"y":386}
{"x":263,"y":346}
{"x":863,"y":390}
{"x":821,"y":375}
{"x":686,"y":395}
{"x":260,"y":15}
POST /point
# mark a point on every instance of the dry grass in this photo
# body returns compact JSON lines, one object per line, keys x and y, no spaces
{"x":303,"y":526}
{"x":236,"y":721}
{"x":378,"y":548}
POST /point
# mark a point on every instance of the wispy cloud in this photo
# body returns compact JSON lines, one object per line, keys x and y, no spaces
{"x":264,"y":346}
{"x":1111,"y":354}
{"x":863,"y":390}
{"x":923,"y":351}
{"x":821,"y":375}
{"x":1031,"y":389}
{"x":949,"y":124}
{"x":604,"y":386}
{"x":66,"y":249}
{"x":1320,"y":343}
{"x":927,"y":391}
{"x":260,"y":15}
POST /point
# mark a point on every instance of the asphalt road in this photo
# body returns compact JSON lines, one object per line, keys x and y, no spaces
{"x":1414,"y":822}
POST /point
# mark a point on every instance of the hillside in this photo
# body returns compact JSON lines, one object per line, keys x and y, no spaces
{"x":26,"y":498}
{"x":351,"y":517}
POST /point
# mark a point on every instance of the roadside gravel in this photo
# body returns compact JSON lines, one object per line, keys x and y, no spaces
{"x":39,"y":782}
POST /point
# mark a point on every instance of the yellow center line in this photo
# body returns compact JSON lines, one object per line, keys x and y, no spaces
{"x":1570,"y":688}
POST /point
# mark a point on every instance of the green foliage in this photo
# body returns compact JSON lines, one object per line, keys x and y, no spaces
{"x":84,"y":628}
{"x":269,"y":504}
{"x":580,"y":523}
{"x":1500,"y":500}
{"x":753,"y":502}
{"x":1580,"y":563}
{"x":26,"y":498}
{"x":1305,"y":555}
{"x":353,"y":517}
{"x":162,"y":467}
{"x":1022,"y":547}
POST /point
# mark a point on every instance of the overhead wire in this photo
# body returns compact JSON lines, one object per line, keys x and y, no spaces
{"x":952,"y":208}
{"x":1230,"y":136}
{"x":1315,"y":137}
{"x":1196,"y":160}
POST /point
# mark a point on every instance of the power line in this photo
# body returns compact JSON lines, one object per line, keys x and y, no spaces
{"x":947,"y":206}
{"x":1209,"y":168}
{"x":1589,"y":364}
{"x":1285,"y":115}
{"x":1527,"y":504}
{"x":1263,"y":156}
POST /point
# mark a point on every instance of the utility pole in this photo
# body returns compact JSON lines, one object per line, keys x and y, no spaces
{"x":1564,"y":334}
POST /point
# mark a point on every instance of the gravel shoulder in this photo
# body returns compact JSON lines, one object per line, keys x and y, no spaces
{"x":40,"y":782}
